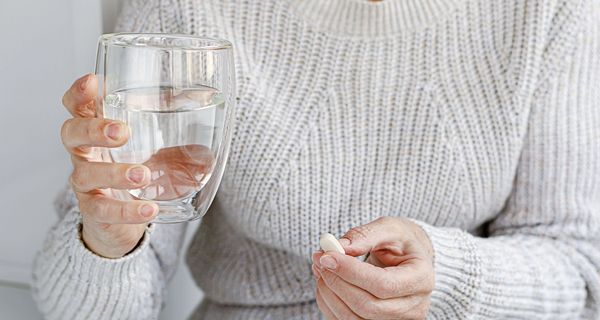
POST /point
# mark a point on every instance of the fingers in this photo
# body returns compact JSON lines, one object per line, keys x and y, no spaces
{"x":88,"y":176}
{"x":315,"y":258}
{"x":374,"y":279}
{"x":361,"y":240}
{"x":324,"y":308}
{"x":80,"y":132}
{"x":365,"y":304}
{"x":397,"y":287}
{"x":359,"y":301}
{"x":79,"y":99}
{"x":383,"y":283}
{"x":333,"y":303}
{"x":102,"y":209}
{"x":316,"y":272}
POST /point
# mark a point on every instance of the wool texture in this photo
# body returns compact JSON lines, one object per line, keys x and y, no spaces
{"x":479,"y":119}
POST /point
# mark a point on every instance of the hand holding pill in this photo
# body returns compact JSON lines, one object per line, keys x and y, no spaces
{"x":395,"y":281}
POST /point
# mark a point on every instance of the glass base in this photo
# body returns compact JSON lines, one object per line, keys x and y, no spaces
{"x":174,"y":212}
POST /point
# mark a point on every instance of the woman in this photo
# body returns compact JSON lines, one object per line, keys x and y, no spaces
{"x":455,"y":142}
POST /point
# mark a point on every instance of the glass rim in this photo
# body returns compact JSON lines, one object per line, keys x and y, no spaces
{"x":202,"y":43}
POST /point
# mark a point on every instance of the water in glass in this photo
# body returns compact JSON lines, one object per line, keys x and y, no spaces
{"x":174,"y":132}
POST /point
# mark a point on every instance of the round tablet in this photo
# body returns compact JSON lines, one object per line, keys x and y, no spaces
{"x":329,"y":243}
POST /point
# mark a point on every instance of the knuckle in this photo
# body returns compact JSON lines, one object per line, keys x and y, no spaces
{"x":65,"y":98}
{"x":370,"y":309}
{"x":65,"y":130}
{"x":358,"y":233}
{"x":78,"y":177}
{"x":388,"y":289}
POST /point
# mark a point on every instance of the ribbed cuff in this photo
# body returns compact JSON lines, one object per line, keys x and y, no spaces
{"x":72,"y":282}
{"x":457,"y":272}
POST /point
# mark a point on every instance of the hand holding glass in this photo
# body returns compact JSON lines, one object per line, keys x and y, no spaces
{"x":176,"y":95}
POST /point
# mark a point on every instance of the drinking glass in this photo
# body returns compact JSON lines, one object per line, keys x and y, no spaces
{"x":176,"y":94}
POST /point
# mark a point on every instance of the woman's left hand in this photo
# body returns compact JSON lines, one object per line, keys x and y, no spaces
{"x":395,"y":282}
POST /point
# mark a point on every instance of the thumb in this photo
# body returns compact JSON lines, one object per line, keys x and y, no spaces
{"x":361,"y":240}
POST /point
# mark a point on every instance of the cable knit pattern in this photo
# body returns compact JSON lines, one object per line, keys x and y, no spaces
{"x":479,"y":119}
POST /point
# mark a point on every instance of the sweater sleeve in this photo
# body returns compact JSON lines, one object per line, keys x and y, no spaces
{"x":541,"y":259}
{"x":71,"y":282}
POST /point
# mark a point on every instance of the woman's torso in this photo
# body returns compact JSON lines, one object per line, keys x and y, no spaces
{"x":345,"y":114}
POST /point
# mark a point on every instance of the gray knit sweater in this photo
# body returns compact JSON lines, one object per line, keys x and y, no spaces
{"x":480,"y":119}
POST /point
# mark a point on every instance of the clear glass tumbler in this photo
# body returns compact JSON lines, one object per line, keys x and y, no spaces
{"x":176,"y":94}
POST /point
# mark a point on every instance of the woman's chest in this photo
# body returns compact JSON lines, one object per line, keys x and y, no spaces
{"x":333,"y":133}
{"x":325,"y":145}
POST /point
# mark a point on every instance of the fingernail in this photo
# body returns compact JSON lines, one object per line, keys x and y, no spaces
{"x":147,"y":210}
{"x":136,"y":174}
{"x":113,"y":131}
{"x":328,"y":262}
{"x":344,"y":242}
{"x":84,"y":82}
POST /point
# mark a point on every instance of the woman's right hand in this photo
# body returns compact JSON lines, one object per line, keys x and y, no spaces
{"x":111,"y":227}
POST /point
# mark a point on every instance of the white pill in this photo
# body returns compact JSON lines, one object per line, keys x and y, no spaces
{"x":330,"y":243}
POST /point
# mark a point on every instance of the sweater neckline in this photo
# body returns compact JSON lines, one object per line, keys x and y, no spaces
{"x":364,"y":18}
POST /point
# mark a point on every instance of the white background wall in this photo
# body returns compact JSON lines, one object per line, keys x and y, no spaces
{"x":45,"y":46}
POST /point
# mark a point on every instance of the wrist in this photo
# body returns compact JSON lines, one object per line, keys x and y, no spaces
{"x":107,"y":247}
